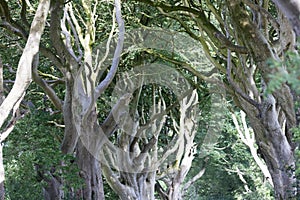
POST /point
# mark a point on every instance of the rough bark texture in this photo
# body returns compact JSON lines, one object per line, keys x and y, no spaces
{"x":64,"y":22}
{"x":82,"y":89}
{"x":247,"y":136}
{"x":274,"y":144}
{"x":267,"y":116}
{"x":53,"y":189}
{"x":2,"y":189}
{"x":71,"y":136}
{"x":80,"y":112}
{"x":291,"y":9}
{"x":70,"y":65}
{"x":90,"y":171}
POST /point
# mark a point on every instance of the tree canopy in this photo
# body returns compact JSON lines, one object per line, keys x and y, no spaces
{"x":146,"y":99}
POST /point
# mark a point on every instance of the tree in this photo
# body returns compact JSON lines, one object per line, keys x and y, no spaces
{"x":247,"y":137}
{"x":291,"y":9}
{"x":72,"y":63}
{"x":154,"y":143}
{"x":152,"y":147}
{"x":239,"y":38}
{"x":11,"y":103}
{"x":32,"y":156}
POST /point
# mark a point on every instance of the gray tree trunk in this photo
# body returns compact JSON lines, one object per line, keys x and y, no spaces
{"x":273,"y":116}
{"x":90,"y":171}
{"x":2,"y":189}
{"x":291,"y":9}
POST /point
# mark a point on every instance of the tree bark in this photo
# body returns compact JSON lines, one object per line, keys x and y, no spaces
{"x":2,"y":189}
{"x":90,"y":171}
{"x":264,"y":115}
{"x":248,"y":35}
{"x":291,"y":9}
{"x":132,"y":170}
{"x":277,"y":152}
{"x":70,"y":135}
{"x":23,"y":78}
{"x":53,"y":189}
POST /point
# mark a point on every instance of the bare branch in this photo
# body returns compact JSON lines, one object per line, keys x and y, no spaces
{"x":248,"y":139}
{"x":1,"y":82}
{"x":98,"y":67}
{"x":23,"y":77}
{"x":9,"y":23}
{"x":75,"y":35}
{"x":43,"y":84}
{"x":11,"y":124}
{"x":23,"y":13}
{"x":104,"y":84}
{"x":260,"y":9}
{"x":67,"y":35}
{"x":112,"y":120}
{"x":197,"y":176}
{"x":138,"y":160}
{"x":236,"y":87}
{"x":75,"y":22}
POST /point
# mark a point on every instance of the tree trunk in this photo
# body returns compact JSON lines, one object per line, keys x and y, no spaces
{"x":277,"y":151}
{"x":175,"y":190}
{"x":291,"y":10}
{"x":271,"y":117}
{"x":90,"y":171}
{"x":53,"y":190}
{"x":134,"y":186}
{"x":70,"y":134}
{"x":2,"y":189}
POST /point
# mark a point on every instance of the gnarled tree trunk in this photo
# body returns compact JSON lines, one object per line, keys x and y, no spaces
{"x":82,"y":89}
{"x":90,"y":171}
{"x":268,"y":114}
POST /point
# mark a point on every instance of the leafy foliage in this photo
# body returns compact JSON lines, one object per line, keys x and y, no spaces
{"x":287,"y":71}
{"x":221,"y":180}
{"x":32,"y":151}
